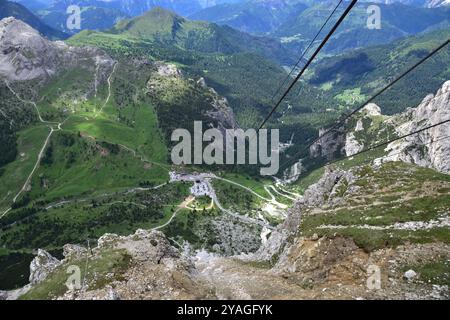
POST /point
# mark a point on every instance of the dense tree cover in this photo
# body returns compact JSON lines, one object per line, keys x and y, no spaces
{"x":47,"y":159}
{"x":14,"y":111}
{"x":247,"y":80}
{"x":8,"y":142}
{"x":34,"y":227}
{"x":170,"y":29}
{"x":233,"y":198}
{"x":179,"y":103}
{"x":348,"y":69}
{"x":397,"y":21}
{"x":66,"y":139}
{"x":366,"y":71}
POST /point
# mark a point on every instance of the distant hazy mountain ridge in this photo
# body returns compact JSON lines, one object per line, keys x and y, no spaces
{"x":419,"y":3}
{"x":18,"y":11}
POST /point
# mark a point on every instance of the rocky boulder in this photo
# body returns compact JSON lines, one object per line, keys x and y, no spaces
{"x":42,"y":265}
{"x":330,"y":145}
{"x":71,"y":251}
{"x":168,"y":70}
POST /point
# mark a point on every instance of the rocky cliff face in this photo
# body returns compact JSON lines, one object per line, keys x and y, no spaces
{"x":355,"y":204}
{"x":140,"y":266}
{"x":42,"y":265}
{"x":351,"y":222}
{"x":26,"y":55}
{"x":324,"y":261}
{"x":310,"y":268}
{"x":324,"y":192}
{"x":430,"y":148}
{"x":292,"y":263}
{"x":222,"y":112}
{"x":369,"y":128}
{"x":156,"y":270}
{"x":330,"y":146}
{"x":353,"y":141}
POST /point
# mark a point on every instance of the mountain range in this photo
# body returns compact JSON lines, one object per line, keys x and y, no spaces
{"x":87,"y":179}
{"x":293,"y":22}
{"x":418,"y":3}
{"x":296,"y":24}
{"x":102,"y":14}
{"x":280,"y":18}
{"x":12,"y":9}
{"x":397,"y":21}
{"x":252,"y":16}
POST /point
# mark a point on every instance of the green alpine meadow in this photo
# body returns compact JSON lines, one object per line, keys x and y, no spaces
{"x":94,"y":206}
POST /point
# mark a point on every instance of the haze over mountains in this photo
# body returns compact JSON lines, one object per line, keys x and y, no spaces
{"x":85,"y":142}
{"x":8,"y":9}
{"x":296,"y":23}
{"x":103,"y":14}
{"x":255,"y":16}
{"x":419,"y":3}
{"x":293,"y":22}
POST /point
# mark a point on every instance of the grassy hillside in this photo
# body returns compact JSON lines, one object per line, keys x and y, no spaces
{"x":333,"y":85}
{"x":163,"y":26}
{"x":104,"y":167}
{"x":104,"y":144}
{"x":387,"y":197}
{"x":227,"y":59}
{"x":15,"y":173}
{"x":103,"y":149}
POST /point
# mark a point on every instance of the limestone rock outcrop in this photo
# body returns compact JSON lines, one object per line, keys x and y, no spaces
{"x":327,"y":191}
{"x":429,"y":148}
{"x":26,"y":55}
{"x":42,"y":265}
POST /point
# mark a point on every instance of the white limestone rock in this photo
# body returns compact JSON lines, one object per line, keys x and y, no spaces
{"x":429,"y":148}
{"x":42,"y":265}
{"x":352,"y":145}
{"x":372,"y":110}
{"x":410,"y":275}
{"x":26,"y":55}
{"x":168,"y":70}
